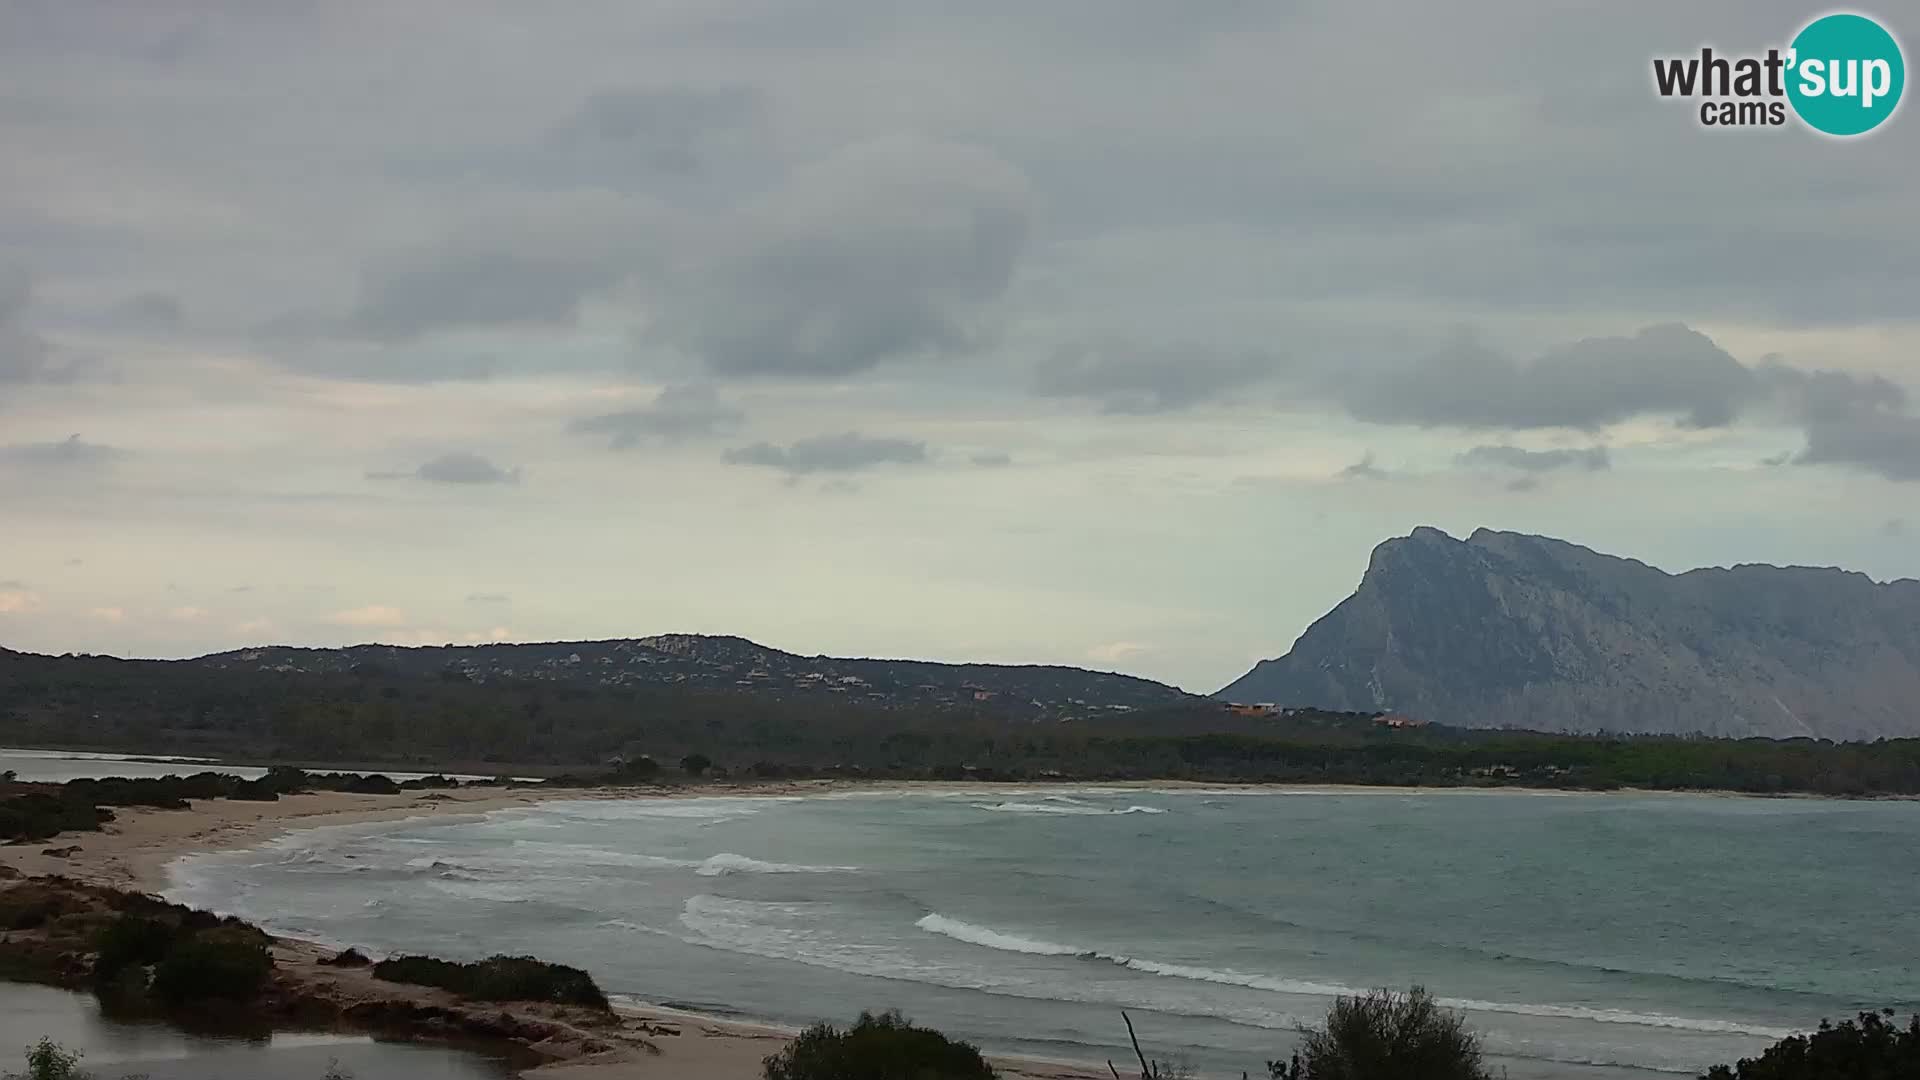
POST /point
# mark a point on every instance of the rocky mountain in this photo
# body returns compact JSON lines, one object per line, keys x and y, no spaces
{"x":1509,"y":630}
{"x":701,"y":661}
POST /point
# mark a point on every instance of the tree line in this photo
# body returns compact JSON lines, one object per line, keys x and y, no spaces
{"x":375,"y":718}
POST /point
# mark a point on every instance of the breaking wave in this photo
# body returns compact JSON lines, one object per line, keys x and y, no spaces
{"x":1004,"y":941}
{"x":728,"y":863}
{"x":1066,"y":808}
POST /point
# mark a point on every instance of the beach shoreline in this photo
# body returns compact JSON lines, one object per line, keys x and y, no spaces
{"x":135,"y":850}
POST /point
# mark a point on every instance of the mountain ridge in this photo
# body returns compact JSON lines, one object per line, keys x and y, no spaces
{"x":730,"y":662}
{"x":1507,"y":629}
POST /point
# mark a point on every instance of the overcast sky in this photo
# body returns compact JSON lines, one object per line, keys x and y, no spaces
{"x":1100,"y":332}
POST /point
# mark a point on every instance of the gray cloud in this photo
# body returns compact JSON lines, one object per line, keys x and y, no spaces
{"x":458,"y":467}
{"x":1590,"y":459}
{"x":463,"y":467}
{"x":25,"y":356}
{"x":404,"y":300}
{"x":672,"y":129}
{"x":1854,"y":421}
{"x":1876,"y":441}
{"x":1141,"y":379}
{"x":155,"y":312}
{"x":889,"y":250}
{"x":1662,"y":370}
{"x":830,"y":453}
{"x":677,"y":412}
{"x":992,"y":459}
{"x":72,"y":451}
{"x":489,"y":598}
{"x":1364,"y":469}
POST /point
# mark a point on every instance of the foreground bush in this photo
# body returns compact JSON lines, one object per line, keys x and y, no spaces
{"x":497,"y":978}
{"x":48,"y":1060}
{"x":1384,"y":1035}
{"x":884,"y":1047}
{"x":1873,"y":1048}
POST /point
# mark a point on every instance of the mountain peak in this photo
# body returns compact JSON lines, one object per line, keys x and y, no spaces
{"x":1508,"y":629}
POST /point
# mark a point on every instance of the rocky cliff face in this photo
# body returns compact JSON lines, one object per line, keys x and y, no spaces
{"x":1509,"y":630}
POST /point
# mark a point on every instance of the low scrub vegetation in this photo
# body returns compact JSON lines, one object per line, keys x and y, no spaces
{"x":225,"y":964}
{"x":883,"y":1047}
{"x":180,"y":956}
{"x":1873,"y":1047}
{"x":497,"y":978}
{"x":1385,"y":1035}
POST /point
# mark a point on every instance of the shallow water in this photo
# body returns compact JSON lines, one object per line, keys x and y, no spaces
{"x":115,"y":1048}
{"x":1605,"y":936}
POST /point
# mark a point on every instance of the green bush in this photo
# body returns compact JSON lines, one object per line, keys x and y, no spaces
{"x":132,"y":941}
{"x":497,"y":978}
{"x":48,"y":1060}
{"x":884,"y":1047}
{"x":212,"y":964}
{"x":1384,"y":1035}
{"x":1870,"y":1049}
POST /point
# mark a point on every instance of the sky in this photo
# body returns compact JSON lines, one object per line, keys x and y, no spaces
{"x":1112,"y":333}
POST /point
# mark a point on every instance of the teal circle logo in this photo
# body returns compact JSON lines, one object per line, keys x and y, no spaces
{"x":1845,"y":74}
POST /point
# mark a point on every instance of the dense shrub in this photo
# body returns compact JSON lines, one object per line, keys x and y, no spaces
{"x":884,"y":1047}
{"x":1873,"y":1048}
{"x":1383,"y":1035}
{"x":132,"y":940}
{"x":371,"y":784}
{"x":37,"y":816}
{"x":223,"y":964}
{"x":497,"y":978}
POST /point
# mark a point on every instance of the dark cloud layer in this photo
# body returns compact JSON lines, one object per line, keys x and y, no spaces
{"x":1140,"y":379}
{"x":619,"y":133}
{"x":1854,"y":421}
{"x":830,"y":453}
{"x":893,"y":249}
{"x":1669,"y":370}
{"x":677,"y":412}
{"x":472,"y":289}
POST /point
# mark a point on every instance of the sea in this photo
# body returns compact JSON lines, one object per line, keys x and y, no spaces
{"x":1582,"y":935}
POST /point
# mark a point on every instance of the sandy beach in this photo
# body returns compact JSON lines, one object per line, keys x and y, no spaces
{"x":134,"y":850}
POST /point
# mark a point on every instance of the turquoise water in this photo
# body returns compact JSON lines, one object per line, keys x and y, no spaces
{"x":1583,"y":935}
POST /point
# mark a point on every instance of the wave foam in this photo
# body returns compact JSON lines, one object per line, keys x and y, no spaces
{"x":988,"y":937}
{"x":728,"y":863}
{"x":1066,"y":808}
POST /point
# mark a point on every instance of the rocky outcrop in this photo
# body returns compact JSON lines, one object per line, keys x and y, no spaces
{"x":1509,"y":630}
